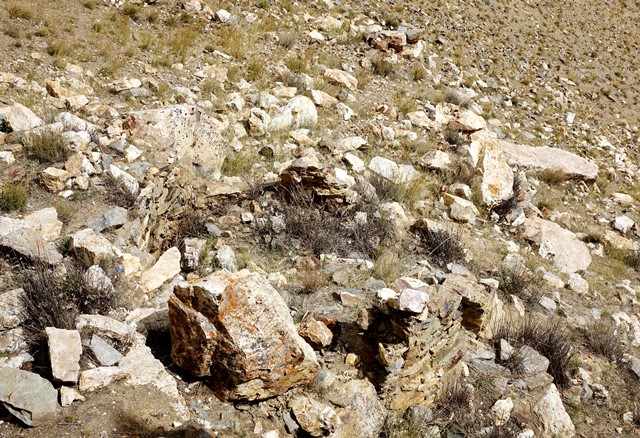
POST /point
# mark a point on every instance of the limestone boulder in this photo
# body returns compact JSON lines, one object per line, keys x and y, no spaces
{"x":90,"y":246}
{"x":28,"y":397}
{"x":558,"y":244}
{"x":179,"y":132}
{"x":341,"y":78}
{"x":33,"y":236}
{"x":167,"y":267}
{"x":54,"y":179}
{"x":64,"y":353}
{"x":397,"y":173}
{"x":454,"y":117}
{"x":551,"y":414}
{"x":18,"y":117}
{"x":236,"y":326}
{"x":497,"y":175}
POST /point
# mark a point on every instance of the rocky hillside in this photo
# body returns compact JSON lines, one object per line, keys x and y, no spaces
{"x":325,"y":218}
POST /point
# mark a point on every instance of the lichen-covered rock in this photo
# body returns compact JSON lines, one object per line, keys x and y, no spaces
{"x":236,"y":327}
{"x":29,"y":397}
{"x":179,"y":132}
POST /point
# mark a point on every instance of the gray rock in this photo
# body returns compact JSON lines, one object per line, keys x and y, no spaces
{"x":65,"y":350}
{"x":531,"y":362}
{"x":69,"y":395}
{"x":103,"y":352}
{"x":32,"y":236}
{"x":315,"y":418}
{"x":11,"y":309}
{"x":96,"y":278}
{"x":192,"y":252}
{"x":27,"y":396}
{"x":227,"y":258}
{"x":114,"y":218}
{"x":18,"y":117}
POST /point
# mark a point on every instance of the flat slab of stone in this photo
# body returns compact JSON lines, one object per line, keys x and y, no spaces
{"x":65,"y":350}
{"x":167,"y":267}
{"x":32,"y":236}
{"x":18,"y":117}
{"x":568,"y":253}
{"x":181,"y":132}
{"x":551,"y":159}
{"x":28,"y":397}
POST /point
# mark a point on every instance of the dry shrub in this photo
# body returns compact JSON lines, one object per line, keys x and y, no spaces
{"x":442,"y":246}
{"x":388,"y":266}
{"x":192,"y":223}
{"x":601,"y":338}
{"x":632,"y":259}
{"x":549,"y":337}
{"x":553,"y":176}
{"x":47,"y":147}
{"x":519,"y":282}
{"x":14,"y":196}
{"x":322,"y":226}
{"x":456,"y":399}
{"x":118,"y":193}
{"x":406,"y":193}
{"x":53,"y":299}
{"x":18,"y":9}
{"x":311,"y":279}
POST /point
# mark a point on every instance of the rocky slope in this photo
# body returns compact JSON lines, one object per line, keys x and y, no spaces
{"x":343,"y":219}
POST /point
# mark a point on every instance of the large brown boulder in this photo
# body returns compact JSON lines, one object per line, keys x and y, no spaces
{"x":236,"y":327}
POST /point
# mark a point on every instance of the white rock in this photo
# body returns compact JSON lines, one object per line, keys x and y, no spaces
{"x":397,"y":173}
{"x":457,"y":118}
{"x":501,"y":411}
{"x":385,"y":294}
{"x":578,"y":284}
{"x":90,"y":246}
{"x":460,"y":209}
{"x":7,"y":157}
{"x":354,"y":162}
{"x":64,"y":352}
{"x":129,"y":181}
{"x":623,"y":224}
{"x":552,"y":414}
{"x":69,"y":395}
{"x":411,"y":300}
{"x":568,"y":253}
{"x":341,"y":77}
{"x":167,"y":267}
{"x":18,"y":117}
{"x":227,"y":258}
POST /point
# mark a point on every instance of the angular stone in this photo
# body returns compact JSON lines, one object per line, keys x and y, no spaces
{"x":397,"y":173}
{"x":105,"y":326}
{"x":54,"y":179}
{"x":11,"y":309}
{"x":127,"y":180}
{"x":114,"y":218}
{"x":64,"y":352}
{"x":411,"y":300}
{"x":300,"y":112}
{"x":323,"y":99}
{"x":497,"y":175}
{"x":96,"y":278}
{"x":316,"y":333}
{"x":552,"y":415}
{"x":27,"y":396}
{"x":69,"y":395}
{"x":361,"y":412}
{"x":103,"y":352}
{"x":97,"y":378}
{"x":341,"y":78}
{"x":227,"y":258}
{"x":315,"y":418}
{"x":546,"y":158}
{"x":193,"y":250}
{"x":90,"y":246}
{"x":531,"y":362}
{"x":167,"y":267}
{"x":32,"y":236}
{"x":568,"y":253}
{"x":237,"y":327}
{"x":457,"y":118}
{"x":460,"y":209}
{"x":18,"y":117}
{"x":179,"y":132}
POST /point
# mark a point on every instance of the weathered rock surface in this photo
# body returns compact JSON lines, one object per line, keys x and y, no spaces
{"x":89,"y":246}
{"x":568,"y":253}
{"x":64,"y":352}
{"x":32,"y":236}
{"x":167,"y":267}
{"x":18,"y":117}
{"x":315,"y":418}
{"x":552,"y":415}
{"x":179,"y":132}
{"x":29,"y":397}
{"x":497,"y":175}
{"x":237,"y":327}
{"x":457,"y":118}
{"x":11,"y":309}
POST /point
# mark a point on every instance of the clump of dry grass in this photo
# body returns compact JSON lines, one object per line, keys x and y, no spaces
{"x":14,"y":196}
{"x":18,"y":9}
{"x":192,"y":223}
{"x":441,"y":246}
{"x":387,"y":266}
{"x":602,"y":339}
{"x":553,"y":176}
{"x":47,"y":147}
{"x":310,"y":279}
{"x":117,"y":192}
{"x":549,"y":337}
{"x":519,"y":282}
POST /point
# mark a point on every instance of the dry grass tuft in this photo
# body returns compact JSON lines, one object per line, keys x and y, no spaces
{"x":602,"y":339}
{"x":553,"y":176}
{"x":311,"y":279}
{"x":117,"y":192}
{"x":48,"y":147}
{"x":14,"y":196}
{"x":18,"y":9}
{"x":443,"y":247}
{"x":549,"y":337}
{"x":519,"y":282}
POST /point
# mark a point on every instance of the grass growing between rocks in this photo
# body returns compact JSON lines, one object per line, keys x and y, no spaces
{"x":549,"y":337}
{"x":55,"y":299}
{"x":602,"y":338}
{"x":117,"y":192}
{"x":48,"y":147}
{"x":441,"y":246}
{"x":518,"y":282}
{"x":14,"y":197}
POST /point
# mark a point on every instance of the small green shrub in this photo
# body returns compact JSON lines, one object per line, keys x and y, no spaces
{"x":47,"y":147}
{"x":14,"y":197}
